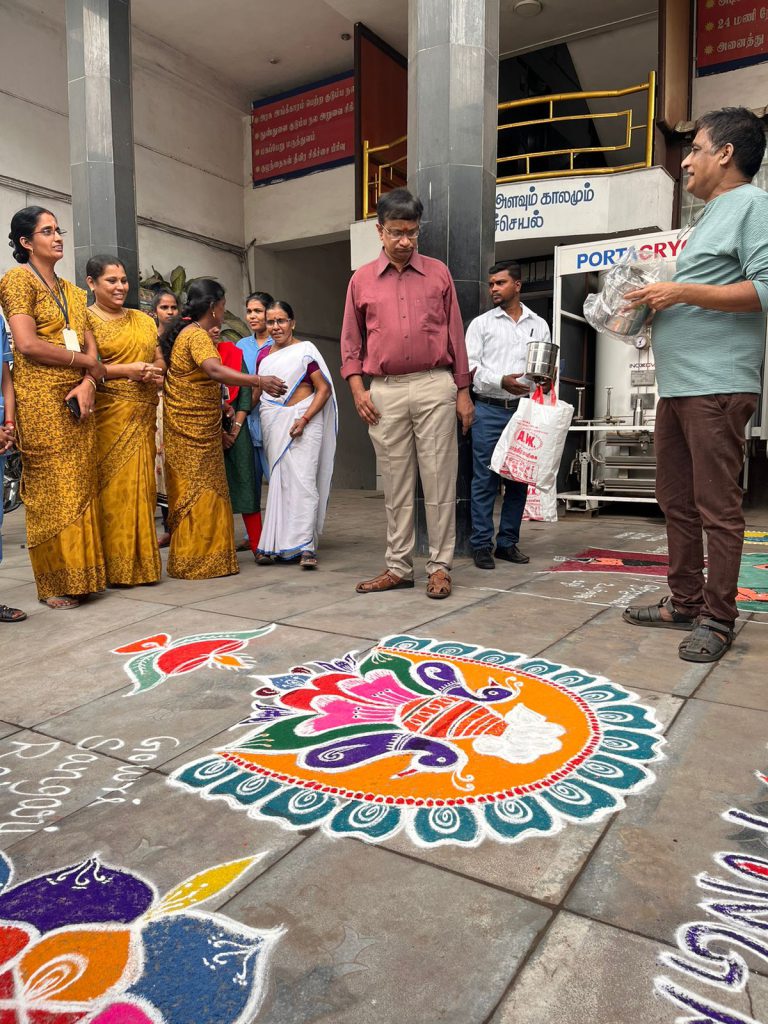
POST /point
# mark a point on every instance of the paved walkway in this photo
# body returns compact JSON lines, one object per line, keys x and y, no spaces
{"x":563,"y":926}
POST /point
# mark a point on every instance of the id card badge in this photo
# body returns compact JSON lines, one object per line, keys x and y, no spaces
{"x":71,"y":342}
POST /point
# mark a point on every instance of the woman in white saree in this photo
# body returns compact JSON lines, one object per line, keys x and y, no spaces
{"x":299,"y":432}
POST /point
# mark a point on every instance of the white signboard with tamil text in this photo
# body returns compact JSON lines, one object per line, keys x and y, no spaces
{"x":561,"y":208}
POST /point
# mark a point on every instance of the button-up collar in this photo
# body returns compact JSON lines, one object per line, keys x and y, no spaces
{"x":416,"y":262}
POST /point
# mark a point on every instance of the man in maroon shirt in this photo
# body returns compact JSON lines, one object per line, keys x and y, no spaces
{"x":403,"y":328}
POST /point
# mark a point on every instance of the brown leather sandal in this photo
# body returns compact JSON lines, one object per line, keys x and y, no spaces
{"x":387,"y":580}
{"x":439,"y":585}
{"x":709,"y":641}
{"x":650,"y":615}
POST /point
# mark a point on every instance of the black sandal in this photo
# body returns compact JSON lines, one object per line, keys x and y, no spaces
{"x":11,"y":614}
{"x":650,"y":615}
{"x":709,"y":641}
{"x":308,"y":560}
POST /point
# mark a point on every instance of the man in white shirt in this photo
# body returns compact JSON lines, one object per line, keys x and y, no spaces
{"x":497,"y":346}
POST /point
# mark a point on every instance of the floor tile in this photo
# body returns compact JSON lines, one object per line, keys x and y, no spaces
{"x":641,"y":877}
{"x":43,"y":780}
{"x":73,"y":668}
{"x":43,"y":637}
{"x":187,"y":592}
{"x":742,"y":676}
{"x":511,"y":621}
{"x":378,"y":615}
{"x":757,"y":991}
{"x":612,"y":589}
{"x":342,"y":903}
{"x":632,"y":655}
{"x":587,"y":973}
{"x":9,"y":585}
{"x":287,"y":594}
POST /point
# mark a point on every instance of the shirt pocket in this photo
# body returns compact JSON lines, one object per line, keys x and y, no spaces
{"x":429,"y":309}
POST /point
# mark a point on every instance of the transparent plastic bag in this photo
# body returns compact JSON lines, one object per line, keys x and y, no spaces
{"x":605,"y":310}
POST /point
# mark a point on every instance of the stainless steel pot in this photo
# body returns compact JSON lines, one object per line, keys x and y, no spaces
{"x":629,"y":323}
{"x":541,"y":364}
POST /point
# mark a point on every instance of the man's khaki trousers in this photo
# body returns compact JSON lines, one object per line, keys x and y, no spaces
{"x":417,"y":431}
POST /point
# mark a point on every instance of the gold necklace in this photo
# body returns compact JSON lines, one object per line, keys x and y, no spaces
{"x":105,"y":315}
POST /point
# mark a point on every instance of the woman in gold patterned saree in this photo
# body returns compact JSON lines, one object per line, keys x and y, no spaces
{"x":126,"y":407}
{"x":199,"y":510}
{"x":55,"y":373}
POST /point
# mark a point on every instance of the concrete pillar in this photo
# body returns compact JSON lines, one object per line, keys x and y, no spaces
{"x":453,"y":81}
{"x":101,"y":134}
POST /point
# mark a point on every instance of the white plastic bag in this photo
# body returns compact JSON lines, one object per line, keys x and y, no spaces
{"x":540,"y":506}
{"x":531,"y":446}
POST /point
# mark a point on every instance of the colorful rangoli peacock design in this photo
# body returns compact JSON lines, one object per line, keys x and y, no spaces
{"x":449,"y":741}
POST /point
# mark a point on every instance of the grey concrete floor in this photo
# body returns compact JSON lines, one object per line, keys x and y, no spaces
{"x":564,"y":928}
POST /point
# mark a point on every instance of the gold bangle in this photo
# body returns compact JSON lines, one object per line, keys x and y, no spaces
{"x":72,"y":360}
{"x":92,"y":381}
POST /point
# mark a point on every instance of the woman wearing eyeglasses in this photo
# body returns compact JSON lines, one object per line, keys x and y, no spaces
{"x":299,"y":431}
{"x":55,"y":374}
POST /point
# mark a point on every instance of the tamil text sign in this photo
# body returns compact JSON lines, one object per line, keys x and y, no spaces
{"x":307,"y":129}
{"x":549,"y":208}
{"x":595,"y":205}
{"x":730,"y":34}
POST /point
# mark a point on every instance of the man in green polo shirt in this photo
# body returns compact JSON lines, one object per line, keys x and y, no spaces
{"x":709,"y":336}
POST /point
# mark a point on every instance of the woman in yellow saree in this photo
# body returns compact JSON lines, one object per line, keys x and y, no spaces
{"x":199,"y":510}
{"x":126,"y":407}
{"x":55,"y":363}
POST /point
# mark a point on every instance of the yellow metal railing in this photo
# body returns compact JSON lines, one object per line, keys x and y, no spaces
{"x":386,"y":175}
{"x":379,"y":177}
{"x":648,"y":87}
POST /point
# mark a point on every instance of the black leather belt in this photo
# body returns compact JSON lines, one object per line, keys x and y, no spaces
{"x":502,"y":403}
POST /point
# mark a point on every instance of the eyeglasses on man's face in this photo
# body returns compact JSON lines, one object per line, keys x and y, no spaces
{"x":50,"y":232}
{"x":277,"y":323}
{"x":396,"y":234}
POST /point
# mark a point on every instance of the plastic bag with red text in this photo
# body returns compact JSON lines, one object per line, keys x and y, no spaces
{"x":540,"y":506}
{"x":531,"y":446}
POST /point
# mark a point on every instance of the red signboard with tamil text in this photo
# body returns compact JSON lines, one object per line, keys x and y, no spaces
{"x":730,"y":34}
{"x":307,"y":129}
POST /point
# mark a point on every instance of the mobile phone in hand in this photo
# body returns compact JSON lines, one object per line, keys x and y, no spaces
{"x":74,"y":408}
